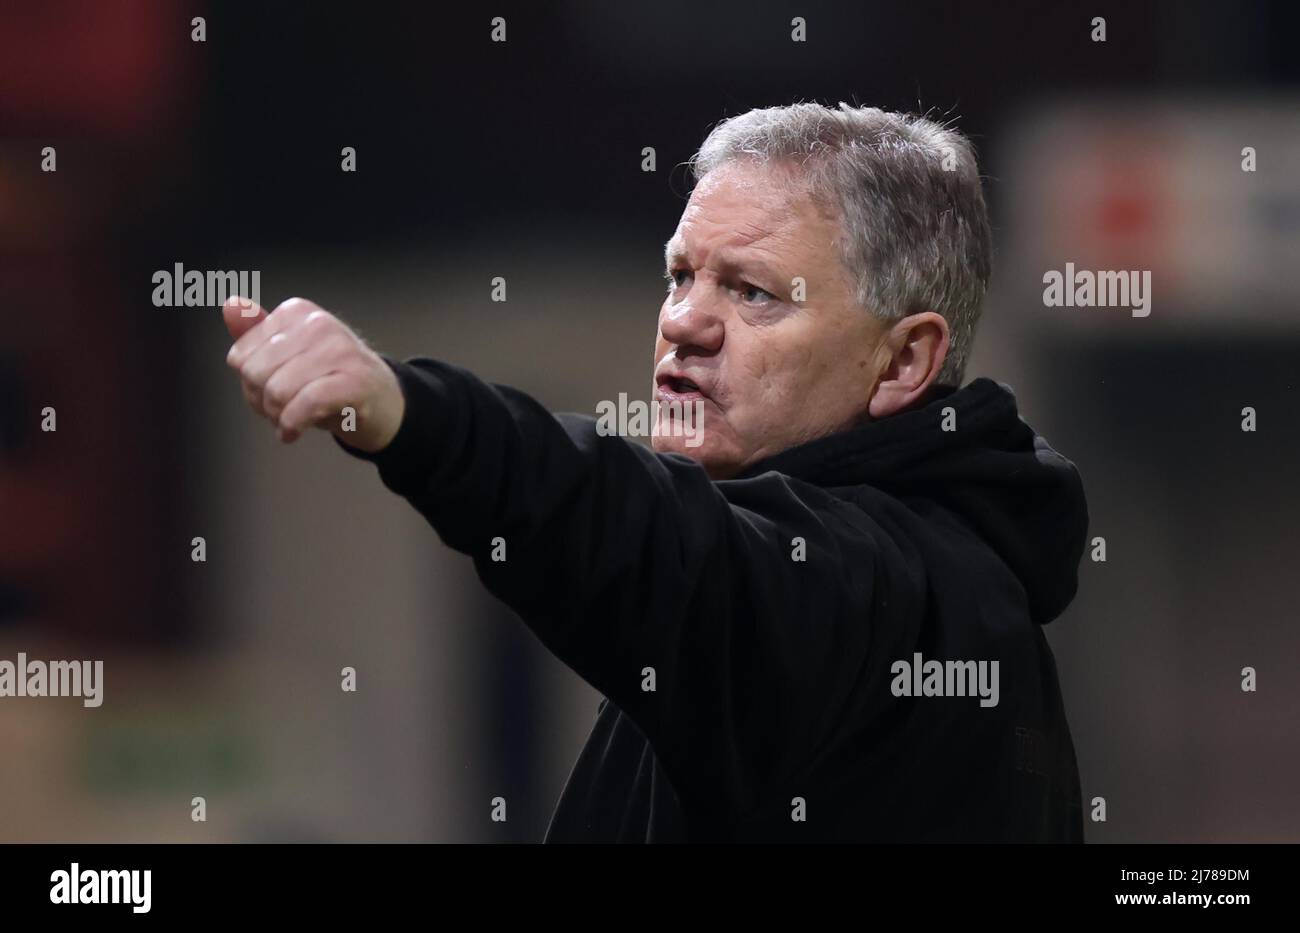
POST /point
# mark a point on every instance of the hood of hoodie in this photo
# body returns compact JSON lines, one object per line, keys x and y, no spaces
{"x":991,"y":469}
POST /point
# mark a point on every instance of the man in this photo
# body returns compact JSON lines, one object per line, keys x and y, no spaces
{"x":820,"y":617}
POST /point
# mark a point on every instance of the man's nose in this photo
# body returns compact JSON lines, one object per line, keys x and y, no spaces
{"x":691,"y":323}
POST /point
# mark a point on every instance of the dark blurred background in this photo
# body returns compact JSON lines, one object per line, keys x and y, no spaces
{"x":523,"y":159}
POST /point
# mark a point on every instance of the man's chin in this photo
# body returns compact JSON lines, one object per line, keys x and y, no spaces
{"x":718,"y":460}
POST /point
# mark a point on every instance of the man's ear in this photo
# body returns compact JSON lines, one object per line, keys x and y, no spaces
{"x":917,"y":346}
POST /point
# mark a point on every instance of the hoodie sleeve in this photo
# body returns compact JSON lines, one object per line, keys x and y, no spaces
{"x":688,"y":608}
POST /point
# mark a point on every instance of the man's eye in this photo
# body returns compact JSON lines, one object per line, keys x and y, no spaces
{"x":677,"y":278}
{"x":753,"y":295}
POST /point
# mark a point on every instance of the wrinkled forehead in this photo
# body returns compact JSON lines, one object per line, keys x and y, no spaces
{"x":774,"y":184}
{"x":744,"y":201}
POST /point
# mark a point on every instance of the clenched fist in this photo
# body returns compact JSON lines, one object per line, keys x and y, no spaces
{"x":302,"y":367}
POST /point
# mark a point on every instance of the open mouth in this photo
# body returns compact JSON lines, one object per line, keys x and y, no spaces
{"x":679,"y":388}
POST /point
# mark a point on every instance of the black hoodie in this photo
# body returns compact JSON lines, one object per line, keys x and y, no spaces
{"x":747,"y":633}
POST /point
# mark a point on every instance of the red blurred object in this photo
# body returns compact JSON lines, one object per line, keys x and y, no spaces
{"x":111,"y":69}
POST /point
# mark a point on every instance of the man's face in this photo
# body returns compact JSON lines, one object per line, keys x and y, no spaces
{"x":773,"y":368}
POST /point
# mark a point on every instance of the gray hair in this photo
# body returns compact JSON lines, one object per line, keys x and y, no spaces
{"x":908,"y":194}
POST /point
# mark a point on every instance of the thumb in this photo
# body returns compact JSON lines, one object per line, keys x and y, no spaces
{"x":240,"y":315}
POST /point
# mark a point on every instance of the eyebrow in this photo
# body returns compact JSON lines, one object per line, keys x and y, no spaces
{"x":675,"y":250}
{"x":672,"y":250}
